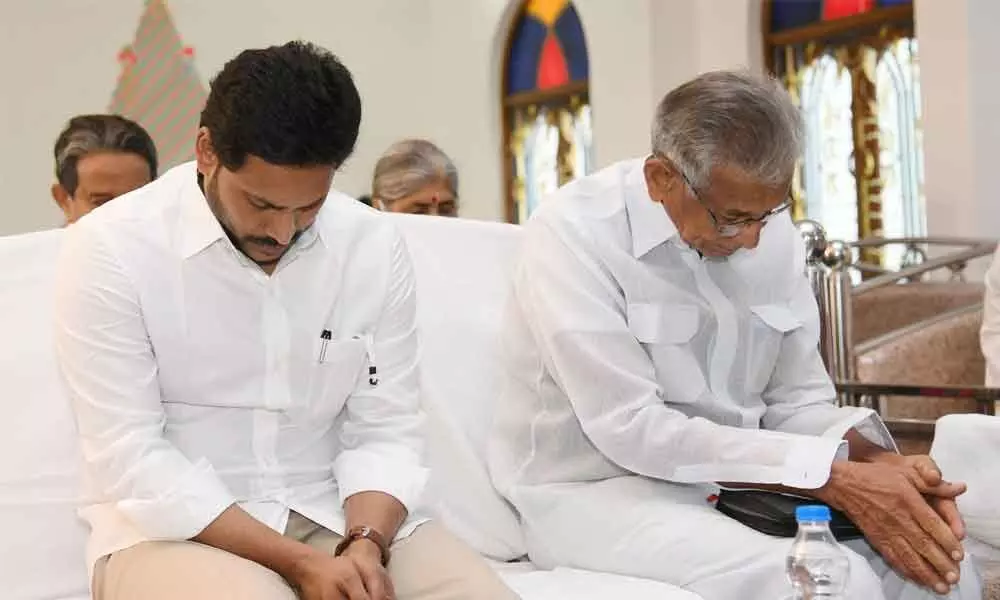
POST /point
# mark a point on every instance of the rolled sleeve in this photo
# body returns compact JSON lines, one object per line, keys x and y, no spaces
{"x":107,"y":362}
{"x":382,"y":437}
{"x":184,"y":510}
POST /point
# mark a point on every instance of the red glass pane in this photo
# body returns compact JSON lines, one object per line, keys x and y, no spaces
{"x":838,"y":9}
{"x":552,"y":69}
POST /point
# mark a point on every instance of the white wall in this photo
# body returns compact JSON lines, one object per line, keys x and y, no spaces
{"x":432,"y":68}
{"x":424,"y":67}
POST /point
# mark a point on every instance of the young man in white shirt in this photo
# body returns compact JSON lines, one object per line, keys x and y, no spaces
{"x":663,"y":340}
{"x":239,"y":344}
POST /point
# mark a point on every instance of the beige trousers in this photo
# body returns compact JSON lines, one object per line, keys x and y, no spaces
{"x":430,"y":564}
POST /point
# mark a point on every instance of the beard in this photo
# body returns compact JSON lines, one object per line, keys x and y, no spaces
{"x":241,"y":242}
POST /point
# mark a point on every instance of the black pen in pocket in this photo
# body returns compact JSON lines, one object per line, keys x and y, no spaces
{"x":325,"y":338}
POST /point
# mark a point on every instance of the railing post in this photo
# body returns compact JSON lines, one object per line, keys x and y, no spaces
{"x":837,"y":295}
{"x":827,"y":269}
{"x":814,"y":239}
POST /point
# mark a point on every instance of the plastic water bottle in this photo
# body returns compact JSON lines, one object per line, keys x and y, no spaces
{"x":817,"y":567}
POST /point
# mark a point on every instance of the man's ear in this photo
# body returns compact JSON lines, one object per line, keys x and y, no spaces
{"x":659,"y":181}
{"x":204,"y":152}
{"x":63,"y":199}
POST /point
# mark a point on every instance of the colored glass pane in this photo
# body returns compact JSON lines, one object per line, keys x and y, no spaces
{"x":790,"y":14}
{"x":552,"y":70}
{"x":838,"y":9}
{"x":569,"y":31}
{"x":547,"y":48}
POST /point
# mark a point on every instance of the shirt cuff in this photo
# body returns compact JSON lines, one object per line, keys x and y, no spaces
{"x":808,"y":462}
{"x":197,"y":499}
{"x":867,"y":423}
{"x":380,"y":470}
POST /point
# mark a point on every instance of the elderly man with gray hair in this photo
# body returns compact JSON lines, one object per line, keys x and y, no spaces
{"x":98,"y":158}
{"x":662,"y":345}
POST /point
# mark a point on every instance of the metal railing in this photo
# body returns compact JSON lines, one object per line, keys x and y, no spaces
{"x":830,"y":265}
{"x":870,"y":394}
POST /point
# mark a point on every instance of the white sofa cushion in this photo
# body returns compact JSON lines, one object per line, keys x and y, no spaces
{"x":966,"y":447}
{"x":463,"y":270}
{"x":41,"y":556}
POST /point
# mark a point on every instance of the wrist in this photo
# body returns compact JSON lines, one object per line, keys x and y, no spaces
{"x":365,"y":549}
{"x":371,"y":537}
{"x":885,"y":457}
{"x":829,"y":491}
{"x":296,"y":562}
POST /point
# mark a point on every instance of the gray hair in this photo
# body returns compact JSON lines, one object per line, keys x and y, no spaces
{"x":409,"y":165}
{"x":733,"y":118}
{"x":85,"y":134}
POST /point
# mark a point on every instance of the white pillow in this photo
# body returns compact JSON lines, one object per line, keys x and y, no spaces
{"x":463,"y":272}
{"x":966,"y":447}
{"x":42,"y":541}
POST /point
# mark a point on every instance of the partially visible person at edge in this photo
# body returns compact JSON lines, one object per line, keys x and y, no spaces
{"x":239,"y":344}
{"x":416,"y":177}
{"x":663,"y":342}
{"x":98,"y":158}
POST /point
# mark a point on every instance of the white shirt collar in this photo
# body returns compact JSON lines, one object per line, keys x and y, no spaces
{"x":201,"y":228}
{"x":648,"y":220}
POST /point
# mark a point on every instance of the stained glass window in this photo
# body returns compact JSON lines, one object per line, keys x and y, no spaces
{"x":830,"y":187}
{"x":897,"y":80}
{"x":852,"y":67}
{"x":547,"y":111}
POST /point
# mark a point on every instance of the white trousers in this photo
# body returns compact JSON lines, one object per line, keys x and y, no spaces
{"x":668,"y":532}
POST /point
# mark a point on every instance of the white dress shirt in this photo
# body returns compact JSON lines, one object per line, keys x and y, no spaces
{"x":628,"y":353}
{"x":198,"y":381}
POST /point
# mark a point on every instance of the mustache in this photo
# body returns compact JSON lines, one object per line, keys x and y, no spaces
{"x":264,"y":241}
{"x":271,"y":242}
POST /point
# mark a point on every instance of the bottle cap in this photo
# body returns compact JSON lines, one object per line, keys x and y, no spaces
{"x":812,"y":512}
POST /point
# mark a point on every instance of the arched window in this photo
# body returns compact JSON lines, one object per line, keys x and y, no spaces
{"x":852,"y":67}
{"x":546,"y":104}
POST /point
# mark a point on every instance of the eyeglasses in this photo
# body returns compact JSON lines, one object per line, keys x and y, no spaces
{"x":727,"y":228}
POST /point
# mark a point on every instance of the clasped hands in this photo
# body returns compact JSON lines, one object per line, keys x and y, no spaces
{"x":358,"y":574}
{"x":907,"y":512}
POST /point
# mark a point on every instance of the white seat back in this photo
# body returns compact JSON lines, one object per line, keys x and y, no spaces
{"x":42,"y":552}
{"x":463,"y":272}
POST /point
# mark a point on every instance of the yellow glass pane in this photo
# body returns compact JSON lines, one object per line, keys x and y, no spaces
{"x":546,"y":11}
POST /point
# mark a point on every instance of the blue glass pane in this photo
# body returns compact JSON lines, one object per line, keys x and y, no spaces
{"x":786,"y":14}
{"x":569,"y":30}
{"x":893,"y":2}
{"x":525,"y":51}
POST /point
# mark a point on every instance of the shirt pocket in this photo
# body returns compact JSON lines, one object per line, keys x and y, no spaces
{"x":769,"y":324}
{"x":334,"y":375}
{"x":666,"y":331}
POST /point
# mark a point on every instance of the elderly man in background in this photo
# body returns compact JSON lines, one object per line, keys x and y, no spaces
{"x":662,"y":341}
{"x":98,"y":158}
